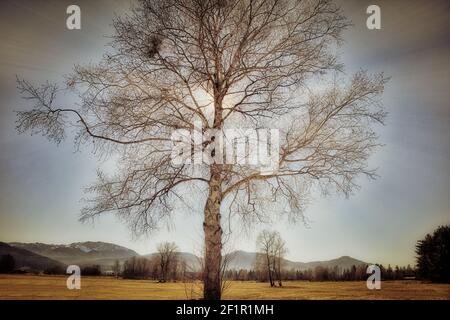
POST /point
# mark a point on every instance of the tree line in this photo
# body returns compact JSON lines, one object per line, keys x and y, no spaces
{"x":163,"y":266}
{"x":167,"y":264}
{"x":320,"y":273}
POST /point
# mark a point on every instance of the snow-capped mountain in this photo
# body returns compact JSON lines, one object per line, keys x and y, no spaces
{"x":80,"y":253}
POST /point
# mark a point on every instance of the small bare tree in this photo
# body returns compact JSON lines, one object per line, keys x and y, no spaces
{"x":117,"y":268}
{"x":230,"y":64}
{"x":280,"y":251}
{"x":271,"y":251}
{"x":168,"y":259}
{"x":265,"y":244}
{"x":260,"y":267}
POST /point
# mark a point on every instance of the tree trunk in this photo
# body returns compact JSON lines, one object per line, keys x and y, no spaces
{"x":269,"y":270}
{"x":213,"y":238}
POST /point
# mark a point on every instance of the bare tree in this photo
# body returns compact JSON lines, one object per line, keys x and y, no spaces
{"x":154,"y":267}
{"x":260,"y":267}
{"x":136,"y":268}
{"x":280,"y":251}
{"x":117,"y":268}
{"x":265,"y":243}
{"x":228,"y":257}
{"x":271,"y":250}
{"x":230,"y":64}
{"x":168,"y":259}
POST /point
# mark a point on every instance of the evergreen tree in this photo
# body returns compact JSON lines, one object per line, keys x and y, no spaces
{"x":433,"y":256}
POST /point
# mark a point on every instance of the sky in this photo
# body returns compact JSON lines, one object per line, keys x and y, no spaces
{"x":41,"y":184}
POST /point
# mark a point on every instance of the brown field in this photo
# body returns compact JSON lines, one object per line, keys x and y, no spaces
{"x":54,"y":287}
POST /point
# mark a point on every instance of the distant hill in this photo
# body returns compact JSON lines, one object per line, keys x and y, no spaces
{"x":80,"y":253}
{"x":246,"y":260}
{"x":25,"y":258}
{"x":344,"y":262}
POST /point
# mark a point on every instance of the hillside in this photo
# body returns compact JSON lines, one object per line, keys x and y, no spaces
{"x":80,"y":253}
{"x":246,"y":260}
{"x":25,"y":258}
{"x":344,"y":262}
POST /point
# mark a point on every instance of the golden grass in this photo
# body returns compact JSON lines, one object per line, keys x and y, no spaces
{"x":54,"y":287}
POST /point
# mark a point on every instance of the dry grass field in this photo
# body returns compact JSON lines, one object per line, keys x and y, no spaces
{"x":54,"y":287}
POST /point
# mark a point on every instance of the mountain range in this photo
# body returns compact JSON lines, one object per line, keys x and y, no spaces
{"x":80,"y":253}
{"x":40,"y":255}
